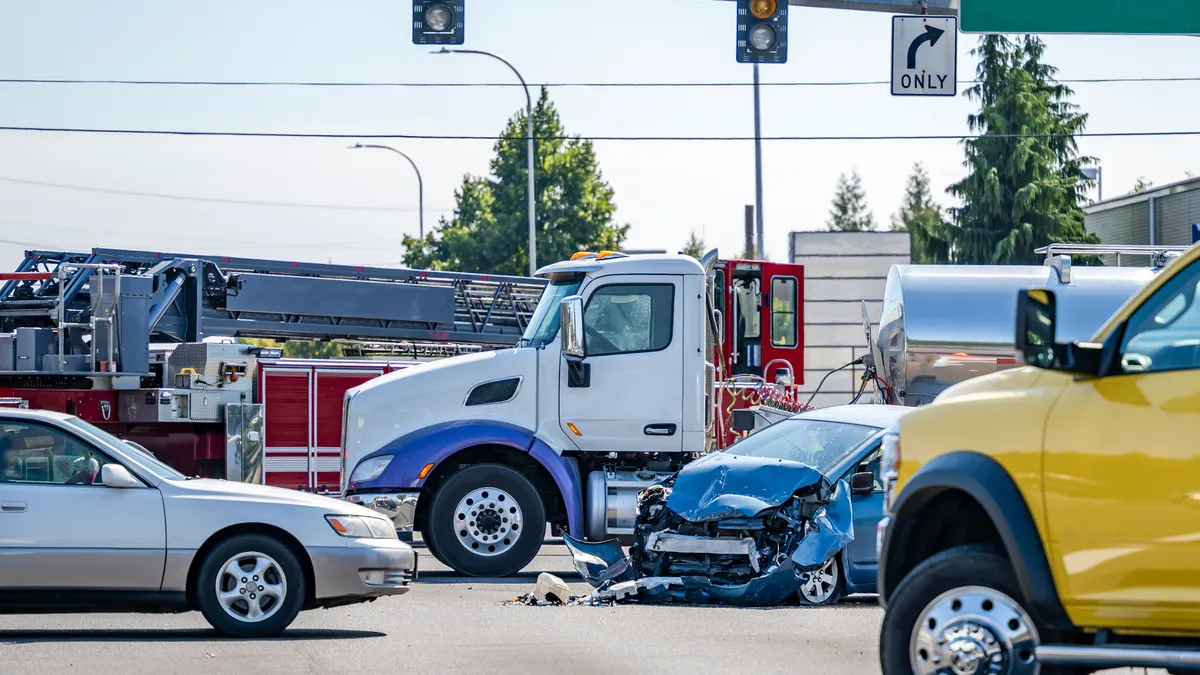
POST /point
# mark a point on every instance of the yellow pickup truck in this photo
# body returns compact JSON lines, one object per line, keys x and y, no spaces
{"x":1046,"y":519}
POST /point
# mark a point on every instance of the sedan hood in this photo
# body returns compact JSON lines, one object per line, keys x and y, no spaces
{"x":722,"y":485}
{"x":205,"y":488}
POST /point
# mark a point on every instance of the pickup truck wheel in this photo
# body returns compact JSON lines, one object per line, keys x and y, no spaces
{"x":957,"y":613}
{"x":250,"y":586}
{"x":823,"y":586}
{"x":487,"y":521}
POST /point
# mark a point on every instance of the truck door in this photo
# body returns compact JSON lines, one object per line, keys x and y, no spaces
{"x":783,"y":321}
{"x":287,"y":432}
{"x":632,"y":399}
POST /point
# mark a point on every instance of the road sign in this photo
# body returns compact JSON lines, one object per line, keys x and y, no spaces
{"x":1113,"y":17}
{"x":924,"y":56}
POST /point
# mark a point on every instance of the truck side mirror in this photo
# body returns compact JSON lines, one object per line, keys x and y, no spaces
{"x":571,"y":331}
{"x":1036,"y":314}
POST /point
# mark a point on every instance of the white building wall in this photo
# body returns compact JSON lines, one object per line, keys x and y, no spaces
{"x":841,"y":270}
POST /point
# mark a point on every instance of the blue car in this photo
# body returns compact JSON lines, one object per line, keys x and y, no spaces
{"x":843,"y":443}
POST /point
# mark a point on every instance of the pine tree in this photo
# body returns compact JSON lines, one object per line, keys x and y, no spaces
{"x":849,"y":212}
{"x":922,"y":219}
{"x":694,"y":246}
{"x":1025,"y":182}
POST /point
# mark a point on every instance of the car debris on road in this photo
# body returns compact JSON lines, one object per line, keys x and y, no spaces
{"x":725,"y":529}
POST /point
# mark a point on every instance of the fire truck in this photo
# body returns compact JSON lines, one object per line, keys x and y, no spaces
{"x":145,"y":345}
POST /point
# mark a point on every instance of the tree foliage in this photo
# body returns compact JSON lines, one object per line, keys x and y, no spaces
{"x":849,"y":212}
{"x":922,"y":218}
{"x":1025,"y":181}
{"x":489,"y":231}
{"x":694,"y":246}
{"x":1142,"y":185}
{"x":300,"y":349}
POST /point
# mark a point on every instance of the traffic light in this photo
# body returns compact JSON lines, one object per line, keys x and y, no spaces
{"x":762,"y":31}
{"x":438,"y":22}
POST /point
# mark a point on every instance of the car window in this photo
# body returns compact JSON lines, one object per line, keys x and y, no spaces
{"x":629,"y":318}
{"x":34,"y":453}
{"x":1164,"y":333}
{"x":819,"y":444}
{"x":871,"y":464}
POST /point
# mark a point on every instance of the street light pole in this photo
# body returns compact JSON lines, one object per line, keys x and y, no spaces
{"x":529,"y":152}
{"x":420,"y":183}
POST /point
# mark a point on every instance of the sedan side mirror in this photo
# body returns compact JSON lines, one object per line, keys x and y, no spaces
{"x":117,"y":476}
{"x":571,"y":330}
{"x":862,"y":483}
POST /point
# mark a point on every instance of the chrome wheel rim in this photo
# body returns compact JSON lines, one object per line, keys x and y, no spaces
{"x":972,"y":631}
{"x":818,"y":586}
{"x":487,"y":522}
{"x":251,"y":587}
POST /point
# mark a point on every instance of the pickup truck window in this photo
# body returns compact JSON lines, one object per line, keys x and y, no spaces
{"x":1164,"y":333}
{"x":629,"y":318}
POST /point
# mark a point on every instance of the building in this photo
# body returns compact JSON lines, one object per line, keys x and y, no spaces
{"x":1159,"y":216}
{"x":841,"y":270}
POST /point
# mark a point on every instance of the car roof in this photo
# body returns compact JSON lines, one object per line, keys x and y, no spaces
{"x":871,"y":415}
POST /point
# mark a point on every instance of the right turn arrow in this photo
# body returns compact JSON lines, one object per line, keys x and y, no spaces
{"x":932,"y":35}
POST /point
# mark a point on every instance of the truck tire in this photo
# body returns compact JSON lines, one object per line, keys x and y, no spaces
{"x":954,"y":605}
{"x":250,"y":585}
{"x":487,"y":520}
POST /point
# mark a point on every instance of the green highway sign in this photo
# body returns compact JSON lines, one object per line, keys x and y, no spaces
{"x":1105,"y":17}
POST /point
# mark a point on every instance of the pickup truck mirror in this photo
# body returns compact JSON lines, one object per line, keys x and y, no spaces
{"x":571,"y":330}
{"x":1036,"y":330}
{"x":1037,"y":334}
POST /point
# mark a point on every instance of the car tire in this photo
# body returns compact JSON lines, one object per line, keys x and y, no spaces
{"x":828,"y":588}
{"x":486,"y":520}
{"x":975,"y":579}
{"x":254,"y":571}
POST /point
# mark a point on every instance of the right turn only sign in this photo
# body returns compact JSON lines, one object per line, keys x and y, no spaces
{"x":924,"y":55}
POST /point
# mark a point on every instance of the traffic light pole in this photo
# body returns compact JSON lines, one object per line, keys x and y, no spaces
{"x":758,"y":179}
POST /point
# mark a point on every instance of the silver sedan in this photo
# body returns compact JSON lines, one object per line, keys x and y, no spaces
{"x":90,"y":523}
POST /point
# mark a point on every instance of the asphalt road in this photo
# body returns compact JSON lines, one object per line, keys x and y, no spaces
{"x":454,"y":624}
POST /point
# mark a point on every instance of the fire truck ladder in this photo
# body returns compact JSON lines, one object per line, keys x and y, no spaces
{"x":175,"y":297}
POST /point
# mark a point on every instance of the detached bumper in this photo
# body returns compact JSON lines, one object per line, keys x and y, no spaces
{"x":363,"y":571}
{"x":399,"y":507}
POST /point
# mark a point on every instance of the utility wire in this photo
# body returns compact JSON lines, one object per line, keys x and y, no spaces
{"x":161,"y":195}
{"x":493,"y":138}
{"x":457,"y":85}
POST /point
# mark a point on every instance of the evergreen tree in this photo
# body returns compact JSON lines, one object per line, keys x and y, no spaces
{"x":1025,"y":182}
{"x":922,"y":219}
{"x":490,"y":228}
{"x":849,"y":212}
{"x":694,"y":246}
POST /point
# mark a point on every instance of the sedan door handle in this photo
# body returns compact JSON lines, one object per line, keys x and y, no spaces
{"x":660,"y":430}
{"x":12,"y":507}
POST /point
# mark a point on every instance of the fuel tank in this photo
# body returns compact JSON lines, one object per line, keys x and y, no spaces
{"x":942,"y":324}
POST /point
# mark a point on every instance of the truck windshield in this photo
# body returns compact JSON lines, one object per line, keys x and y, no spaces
{"x":543,"y":326}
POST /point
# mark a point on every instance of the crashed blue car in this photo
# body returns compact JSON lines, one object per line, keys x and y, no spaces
{"x":770,"y":519}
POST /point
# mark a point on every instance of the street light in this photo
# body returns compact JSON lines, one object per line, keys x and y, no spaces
{"x":529,"y":118}
{"x":420,"y":183}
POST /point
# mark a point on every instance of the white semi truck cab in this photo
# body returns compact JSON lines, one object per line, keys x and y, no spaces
{"x":609,"y":390}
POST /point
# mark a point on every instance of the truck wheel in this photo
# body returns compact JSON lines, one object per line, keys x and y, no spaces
{"x":823,"y":586}
{"x":250,"y":586}
{"x":487,"y":521}
{"x":957,"y":609}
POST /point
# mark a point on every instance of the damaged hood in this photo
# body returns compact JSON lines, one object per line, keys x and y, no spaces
{"x":722,"y":485}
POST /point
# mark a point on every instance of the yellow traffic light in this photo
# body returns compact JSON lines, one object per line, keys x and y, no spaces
{"x":763,"y":9}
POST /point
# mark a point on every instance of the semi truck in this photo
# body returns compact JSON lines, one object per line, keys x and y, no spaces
{"x":631,"y":366}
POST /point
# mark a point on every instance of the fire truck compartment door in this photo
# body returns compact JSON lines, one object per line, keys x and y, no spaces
{"x":634,"y":342}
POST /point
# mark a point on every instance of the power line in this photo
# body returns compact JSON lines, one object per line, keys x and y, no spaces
{"x":251,"y":202}
{"x":492,"y":138}
{"x":559,"y":85}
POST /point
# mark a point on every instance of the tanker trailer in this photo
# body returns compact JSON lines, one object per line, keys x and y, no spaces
{"x":942,"y":324}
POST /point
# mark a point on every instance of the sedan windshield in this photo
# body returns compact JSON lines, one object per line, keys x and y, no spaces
{"x":141,"y":457}
{"x":821,"y":445}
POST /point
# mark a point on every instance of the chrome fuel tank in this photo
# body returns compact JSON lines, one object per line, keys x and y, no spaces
{"x":942,"y":324}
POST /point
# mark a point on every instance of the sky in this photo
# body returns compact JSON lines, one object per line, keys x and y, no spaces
{"x":664,"y":189}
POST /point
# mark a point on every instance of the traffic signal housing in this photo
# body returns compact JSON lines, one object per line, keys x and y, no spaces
{"x":762,"y":31}
{"x":438,"y":22}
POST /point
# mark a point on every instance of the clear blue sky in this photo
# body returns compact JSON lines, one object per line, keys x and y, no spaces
{"x":664,"y":189}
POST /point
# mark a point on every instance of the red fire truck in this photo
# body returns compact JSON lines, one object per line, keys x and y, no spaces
{"x":144,"y":344}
